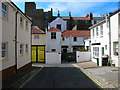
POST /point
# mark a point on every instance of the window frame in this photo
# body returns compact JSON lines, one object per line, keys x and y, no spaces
{"x":21,"y":49}
{"x":97,"y":32}
{"x":36,"y":36}
{"x":75,"y":39}
{"x":114,"y":49}
{"x":4,"y":11}
{"x":5,"y":50}
{"x":96,"y":52}
{"x":53,"y":35}
{"x":21,"y":22}
{"x":93,"y":33}
{"x":26,"y":48}
{"x":26,"y":25}
{"x":101,"y":30}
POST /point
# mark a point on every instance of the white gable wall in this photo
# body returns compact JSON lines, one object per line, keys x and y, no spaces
{"x":59,"y":21}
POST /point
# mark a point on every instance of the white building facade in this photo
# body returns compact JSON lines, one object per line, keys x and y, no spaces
{"x":16,"y":41}
{"x":100,"y":41}
{"x":74,"y":40}
{"x":59,"y":23}
{"x":115,"y":38}
{"x":54,"y":40}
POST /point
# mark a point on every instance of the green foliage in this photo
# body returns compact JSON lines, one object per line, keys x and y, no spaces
{"x":83,"y":50}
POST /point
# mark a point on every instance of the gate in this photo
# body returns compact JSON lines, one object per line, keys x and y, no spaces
{"x":68,"y":56}
{"x":38,"y":54}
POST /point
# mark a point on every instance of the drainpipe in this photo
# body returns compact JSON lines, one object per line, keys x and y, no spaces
{"x":109,"y":44}
{"x":16,"y":42}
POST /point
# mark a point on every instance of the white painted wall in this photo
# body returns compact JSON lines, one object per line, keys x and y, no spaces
{"x":58,"y":20}
{"x":69,"y":41}
{"x":54,"y":43}
{"x":87,"y":43}
{"x":53,"y":58}
{"x":114,"y":36}
{"x":104,"y":40}
{"x":24,"y":37}
{"x":83,"y":56}
{"x":8,"y":34}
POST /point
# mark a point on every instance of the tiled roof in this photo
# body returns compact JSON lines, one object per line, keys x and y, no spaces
{"x":37,"y":31}
{"x":81,"y":18}
{"x":54,"y":29}
{"x":77,"y":33}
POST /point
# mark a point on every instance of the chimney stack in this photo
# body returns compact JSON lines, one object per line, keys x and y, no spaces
{"x":58,"y":14}
{"x":91,"y":15}
{"x":69,"y":14}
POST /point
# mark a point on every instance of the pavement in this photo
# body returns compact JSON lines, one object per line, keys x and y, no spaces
{"x":60,"y":77}
{"x":17,"y":79}
{"x":107,"y":76}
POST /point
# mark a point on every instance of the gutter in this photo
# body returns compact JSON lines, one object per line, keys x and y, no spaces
{"x":16,"y":41}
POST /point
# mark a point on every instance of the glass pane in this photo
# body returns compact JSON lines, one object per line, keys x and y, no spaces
{"x":3,"y":53}
{"x":4,"y":7}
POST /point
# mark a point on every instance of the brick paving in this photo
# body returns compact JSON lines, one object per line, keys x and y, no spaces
{"x":107,"y":76}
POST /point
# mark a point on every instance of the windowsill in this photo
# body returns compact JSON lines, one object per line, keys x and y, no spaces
{"x":4,"y":59}
{"x":101,"y":36}
{"x":26,"y":30}
{"x":53,"y":39}
{"x":21,"y":55}
{"x":4,"y":19}
{"x":115,"y":55}
{"x":21,"y":28}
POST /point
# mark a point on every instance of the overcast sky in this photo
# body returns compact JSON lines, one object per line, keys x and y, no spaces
{"x":78,"y":8}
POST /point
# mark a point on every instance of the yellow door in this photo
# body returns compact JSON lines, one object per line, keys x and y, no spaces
{"x":33,"y":53}
{"x":41,"y":54}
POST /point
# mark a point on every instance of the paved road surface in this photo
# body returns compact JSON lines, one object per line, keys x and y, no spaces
{"x":60,"y":77}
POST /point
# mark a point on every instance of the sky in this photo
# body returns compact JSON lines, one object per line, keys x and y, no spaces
{"x":77,"y":8}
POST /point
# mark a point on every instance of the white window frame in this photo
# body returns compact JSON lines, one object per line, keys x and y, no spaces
{"x":26,"y":48}
{"x":101,"y":30}
{"x":21,"y":22}
{"x":21,"y":49}
{"x":93,"y":33}
{"x":4,"y":11}
{"x":26,"y":25}
{"x":97,"y":32}
{"x":4,"y":50}
{"x":36,"y":37}
{"x":115,"y":48}
{"x":96,"y":52}
{"x":53,"y":35}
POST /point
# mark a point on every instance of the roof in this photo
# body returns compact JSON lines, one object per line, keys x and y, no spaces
{"x":115,"y":12}
{"x":54,"y":29}
{"x":77,"y":33}
{"x":98,"y":18}
{"x":81,"y":18}
{"x":37,"y":31}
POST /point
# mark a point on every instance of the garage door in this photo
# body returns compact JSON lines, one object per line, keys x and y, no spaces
{"x":38,"y":54}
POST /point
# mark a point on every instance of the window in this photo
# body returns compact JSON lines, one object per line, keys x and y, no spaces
{"x":26,"y":25}
{"x":75,"y":21}
{"x":93,"y":33}
{"x":36,"y":36}
{"x":4,"y":50}
{"x":21,"y":22}
{"x":26,"y":50}
{"x":45,"y":21}
{"x":59,"y":26}
{"x":75,"y":39}
{"x":97,"y":31}
{"x":32,"y":11}
{"x":21,"y":49}
{"x":95,"y":22}
{"x":4,"y":11}
{"x":47,"y":15}
{"x":53,"y":50}
{"x":53,"y":35}
{"x":116,"y":48}
{"x":96,"y":51}
{"x":63,"y":38}
{"x":101,"y":30}
{"x":105,"y":47}
{"x":32,"y":20}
